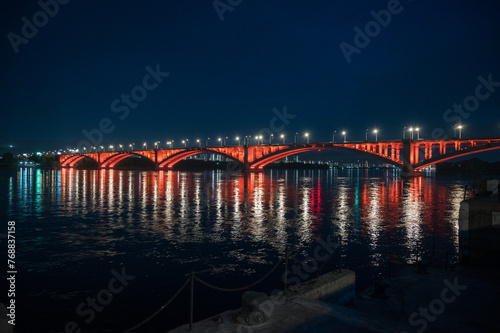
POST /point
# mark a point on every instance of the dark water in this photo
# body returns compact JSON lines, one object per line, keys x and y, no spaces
{"x":75,"y":227}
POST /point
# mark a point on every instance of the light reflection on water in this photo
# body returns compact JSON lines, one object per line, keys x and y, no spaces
{"x":72,"y":221}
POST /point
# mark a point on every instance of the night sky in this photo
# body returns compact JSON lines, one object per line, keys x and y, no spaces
{"x":226,"y":76}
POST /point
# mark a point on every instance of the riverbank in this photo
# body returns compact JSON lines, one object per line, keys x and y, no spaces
{"x":464,"y":299}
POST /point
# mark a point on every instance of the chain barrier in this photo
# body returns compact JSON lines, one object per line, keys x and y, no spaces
{"x":160,"y":309}
{"x":242,"y":288}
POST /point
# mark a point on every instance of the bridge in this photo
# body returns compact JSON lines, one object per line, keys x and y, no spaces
{"x":409,"y":155}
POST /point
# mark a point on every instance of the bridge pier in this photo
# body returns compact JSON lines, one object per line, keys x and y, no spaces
{"x":409,"y":154}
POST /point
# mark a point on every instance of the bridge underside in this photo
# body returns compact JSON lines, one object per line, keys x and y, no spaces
{"x":168,"y":163}
{"x":459,"y":153}
{"x":260,"y":163}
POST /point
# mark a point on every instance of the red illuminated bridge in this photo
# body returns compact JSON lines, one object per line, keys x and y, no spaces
{"x":409,"y":155}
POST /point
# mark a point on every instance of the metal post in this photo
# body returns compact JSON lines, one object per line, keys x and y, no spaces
{"x":390,"y":264}
{"x":286,"y":270}
{"x":433,"y":242}
{"x":446,"y":261}
{"x":340,"y":251}
{"x":191,"y":302}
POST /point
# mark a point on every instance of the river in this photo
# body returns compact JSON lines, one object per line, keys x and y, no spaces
{"x":82,"y":233}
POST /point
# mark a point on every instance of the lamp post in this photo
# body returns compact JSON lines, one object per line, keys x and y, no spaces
{"x":344,"y":133}
{"x":184,"y":142}
{"x":404,"y":132}
{"x":418,"y":133}
{"x":145,"y":145}
{"x":459,"y":131}
{"x":110,"y":148}
{"x":207,"y":141}
{"x":199,"y":143}
{"x":220,"y":140}
{"x":295,"y":138}
{"x":333,"y":137}
{"x":121,"y":147}
{"x":411,"y":131}
{"x":307,"y":137}
{"x":271,"y":139}
{"x":375,"y":131}
{"x":238,"y":139}
{"x":366,"y":135}
{"x":156,"y":144}
{"x":283,"y":137}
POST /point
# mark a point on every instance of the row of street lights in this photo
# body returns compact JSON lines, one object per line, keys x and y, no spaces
{"x":411,"y":130}
{"x":260,"y":139}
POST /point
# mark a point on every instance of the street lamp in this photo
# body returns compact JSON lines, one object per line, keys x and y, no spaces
{"x":184,"y":142}
{"x":271,"y":139}
{"x":156,"y":144}
{"x":333,"y":138}
{"x":238,"y":139}
{"x":404,"y":132}
{"x":207,"y":141}
{"x":459,"y":131}
{"x":220,"y":140}
{"x":418,"y":133}
{"x":366,"y":135}
{"x":145,"y":145}
{"x":199,"y":143}
{"x":307,"y":137}
{"x":375,"y":131}
{"x":344,"y":133}
{"x":261,"y":141}
{"x":110,"y":147}
{"x":283,"y":137}
{"x":121,"y":147}
{"x":411,"y":131}
{"x":295,"y":138}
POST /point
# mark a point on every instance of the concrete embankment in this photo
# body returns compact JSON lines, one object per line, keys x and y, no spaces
{"x":464,"y":299}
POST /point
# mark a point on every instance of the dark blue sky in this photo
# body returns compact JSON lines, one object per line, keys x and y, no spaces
{"x":227,"y":76}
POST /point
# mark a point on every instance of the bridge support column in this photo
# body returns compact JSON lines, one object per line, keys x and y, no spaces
{"x":407,"y":159}
{"x":246,"y":164}
{"x":157,"y":165}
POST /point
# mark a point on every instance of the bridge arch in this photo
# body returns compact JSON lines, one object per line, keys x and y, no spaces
{"x":265,"y":160}
{"x":170,"y":161}
{"x":459,"y":153}
{"x":73,"y":159}
{"x":111,"y":161}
